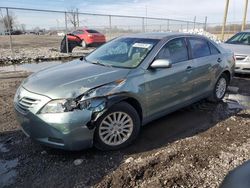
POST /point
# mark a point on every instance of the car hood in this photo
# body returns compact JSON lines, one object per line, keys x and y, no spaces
{"x":72,"y":79}
{"x":237,"y":49}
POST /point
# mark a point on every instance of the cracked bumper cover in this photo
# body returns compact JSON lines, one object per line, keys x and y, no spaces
{"x":59,"y":130}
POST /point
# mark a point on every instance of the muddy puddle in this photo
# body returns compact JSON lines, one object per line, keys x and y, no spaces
{"x":8,"y":171}
{"x":236,"y":100}
{"x":29,"y":67}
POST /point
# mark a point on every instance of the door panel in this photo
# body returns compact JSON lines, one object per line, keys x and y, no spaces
{"x":203,"y":65}
{"x":166,"y":88}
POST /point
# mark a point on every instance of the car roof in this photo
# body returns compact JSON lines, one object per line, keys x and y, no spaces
{"x":161,"y":35}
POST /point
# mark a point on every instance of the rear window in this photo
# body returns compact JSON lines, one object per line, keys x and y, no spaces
{"x":92,"y":31}
{"x":199,"y":47}
{"x":213,"y":49}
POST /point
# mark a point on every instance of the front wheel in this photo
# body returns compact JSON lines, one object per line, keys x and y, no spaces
{"x":219,"y":89}
{"x":117,"y":128}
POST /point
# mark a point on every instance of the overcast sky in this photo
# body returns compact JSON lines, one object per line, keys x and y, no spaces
{"x":175,"y":9}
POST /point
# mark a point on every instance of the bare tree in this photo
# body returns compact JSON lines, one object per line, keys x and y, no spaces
{"x":72,"y":15}
{"x":8,"y":21}
{"x":23,"y":28}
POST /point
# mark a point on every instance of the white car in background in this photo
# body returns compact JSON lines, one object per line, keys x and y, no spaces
{"x":240,"y":45}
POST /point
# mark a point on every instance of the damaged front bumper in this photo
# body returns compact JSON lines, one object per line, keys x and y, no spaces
{"x":67,"y":130}
{"x":59,"y":130}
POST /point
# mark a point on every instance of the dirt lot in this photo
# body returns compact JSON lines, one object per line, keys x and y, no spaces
{"x":193,"y":147}
{"x":29,"y":48}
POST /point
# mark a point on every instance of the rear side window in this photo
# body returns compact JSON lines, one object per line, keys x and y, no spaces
{"x":213,"y":49}
{"x":199,"y":48}
{"x":175,"y":50}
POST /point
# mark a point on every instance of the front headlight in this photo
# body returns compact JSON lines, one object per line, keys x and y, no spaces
{"x":94,"y":100}
{"x":68,"y":105}
{"x":58,"y":106}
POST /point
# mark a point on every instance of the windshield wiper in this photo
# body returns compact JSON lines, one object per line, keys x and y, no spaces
{"x":102,"y":64}
{"x":95,"y":62}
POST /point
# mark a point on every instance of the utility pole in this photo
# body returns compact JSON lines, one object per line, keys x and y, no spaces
{"x":225,"y":20}
{"x":205,"y":24}
{"x":245,"y":16}
{"x":194,"y":23}
{"x":9,"y":28}
{"x":146,"y":18}
{"x":77,"y":17}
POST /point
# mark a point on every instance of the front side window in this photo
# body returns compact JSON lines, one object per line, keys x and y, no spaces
{"x":199,"y":47}
{"x":122,"y":52}
{"x":175,"y":51}
{"x":240,"y":38}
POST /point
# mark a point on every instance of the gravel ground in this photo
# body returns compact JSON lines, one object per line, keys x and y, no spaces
{"x":193,"y":147}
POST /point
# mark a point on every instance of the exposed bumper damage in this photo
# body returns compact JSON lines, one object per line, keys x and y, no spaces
{"x":64,"y":131}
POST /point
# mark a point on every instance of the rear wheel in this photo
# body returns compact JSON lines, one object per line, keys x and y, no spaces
{"x":117,"y":128}
{"x":219,"y":89}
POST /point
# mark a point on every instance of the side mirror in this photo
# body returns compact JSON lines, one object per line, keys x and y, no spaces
{"x":161,"y":63}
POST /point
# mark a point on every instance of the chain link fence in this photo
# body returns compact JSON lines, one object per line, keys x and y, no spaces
{"x":32,"y":31}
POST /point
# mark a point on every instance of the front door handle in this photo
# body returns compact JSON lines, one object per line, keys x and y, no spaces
{"x":219,"y":60}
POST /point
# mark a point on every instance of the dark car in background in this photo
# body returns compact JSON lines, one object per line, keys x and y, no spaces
{"x":83,"y":38}
{"x":240,"y":45}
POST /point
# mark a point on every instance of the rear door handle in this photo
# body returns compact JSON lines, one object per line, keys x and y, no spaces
{"x":189,"y":68}
{"x":219,"y":60}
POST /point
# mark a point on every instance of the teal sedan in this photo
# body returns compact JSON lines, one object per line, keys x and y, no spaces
{"x":105,"y":98}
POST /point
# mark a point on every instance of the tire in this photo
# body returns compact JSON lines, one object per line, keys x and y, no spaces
{"x":121,"y":135}
{"x":83,"y":44}
{"x":220,"y":89}
{"x":63,"y":46}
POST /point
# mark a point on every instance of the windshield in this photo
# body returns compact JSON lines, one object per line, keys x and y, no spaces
{"x":240,"y":38}
{"x":122,"y":52}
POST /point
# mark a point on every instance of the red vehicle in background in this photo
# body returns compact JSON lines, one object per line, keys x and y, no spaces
{"x":84,"y":38}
